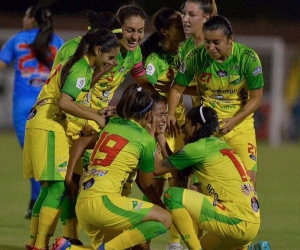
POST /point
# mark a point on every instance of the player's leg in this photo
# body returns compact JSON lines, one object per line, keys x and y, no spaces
{"x":121,"y":213}
{"x":49,"y":155}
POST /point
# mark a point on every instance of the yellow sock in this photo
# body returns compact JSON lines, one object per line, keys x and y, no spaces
{"x":174,"y":234}
{"x":54,"y":225}
{"x":125,"y":240}
{"x":47,"y":218}
{"x":184,"y":224}
{"x":70,"y":228}
{"x":34,"y":223}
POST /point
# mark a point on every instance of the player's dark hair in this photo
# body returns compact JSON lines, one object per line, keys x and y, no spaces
{"x":104,"y":20}
{"x":208,"y":7}
{"x":129,"y":10}
{"x":219,"y":23}
{"x":40,"y":45}
{"x":157,"y":98}
{"x":161,"y":20}
{"x":207,"y":118}
{"x":135,"y":103}
{"x":103,"y":38}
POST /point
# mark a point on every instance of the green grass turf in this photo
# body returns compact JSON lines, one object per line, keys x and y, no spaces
{"x":277,"y":188}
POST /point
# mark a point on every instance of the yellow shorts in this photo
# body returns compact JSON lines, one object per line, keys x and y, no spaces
{"x":243,"y":140}
{"x":45,"y":155}
{"x":115,"y":212}
{"x":223,"y":231}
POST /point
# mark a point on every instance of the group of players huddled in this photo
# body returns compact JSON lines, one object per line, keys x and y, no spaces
{"x":87,"y":154}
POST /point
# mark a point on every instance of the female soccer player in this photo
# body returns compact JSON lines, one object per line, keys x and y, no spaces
{"x":46,"y":147}
{"x":32,"y":51}
{"x":126,"y":144}
{"x":230,"y":80}
{"x":159,"y":51}
{"x":195,"y":14}
{"x":227,"y":207}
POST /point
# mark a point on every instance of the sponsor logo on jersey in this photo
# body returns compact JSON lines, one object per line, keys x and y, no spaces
{"x":234,"y":79}
{"x":212,"y":191}
{"x":253,"y":157}
{"x":150,"y":69}
{"x":251,"y":54}
{"x":258,"y":70}
{"x":105,"y":94}
{"x":222,"y":73}
{"x":96,"y":172}
{"x":235,"y":67}
{"x":223,"y":91}
{"x":245,"y":189}
{"x":32,"y":113}
{"x":62,"y":167}
{"x":80,"y":83}
{"x":121,"y":69}
{"x":182,"y":67}
{"x":254,"y":204}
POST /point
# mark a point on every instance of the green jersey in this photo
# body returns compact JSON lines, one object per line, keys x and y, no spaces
{"x":223,"y":86}
{"x":221,"y":174}
{"x":161,"y":69}
{"x":102,"y":92}
{"x":123,"y":147}
{"x":66,"y":50}
{"x":46,"y":114}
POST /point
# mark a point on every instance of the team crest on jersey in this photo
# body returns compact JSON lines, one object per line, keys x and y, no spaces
{"x":222,"y":73}
{"x":32,"y":113}
{"x":254,"y":204}
{"x":234,"y":79}
{"x":150,"y":69}
{"x":258,"y":70}
{"x":88,"y":184}
{"x":121,"y":69}
{"x":182,"y":67}
{"x":80,"y":83}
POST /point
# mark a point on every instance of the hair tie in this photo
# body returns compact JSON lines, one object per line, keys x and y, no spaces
{"x":201,"y":114}
{"x":138,"y":89}
{"x":146,"y":109}
{"x":116,"y":31}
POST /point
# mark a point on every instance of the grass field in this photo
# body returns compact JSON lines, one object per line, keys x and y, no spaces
{"x":277,"y":183}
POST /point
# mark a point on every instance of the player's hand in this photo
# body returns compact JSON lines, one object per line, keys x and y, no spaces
{"x":227,"y":124}
{"x":72,"y":189}
{"x":107,"y":111}
{"x":156,"y":126}
{"x":172,"y":126}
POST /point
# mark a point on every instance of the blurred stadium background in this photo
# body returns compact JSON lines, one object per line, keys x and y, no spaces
{"x":267,"y":26}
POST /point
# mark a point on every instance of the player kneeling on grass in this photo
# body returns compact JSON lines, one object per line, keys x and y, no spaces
{"x":125,"y":144}
{"x":227,"y":207}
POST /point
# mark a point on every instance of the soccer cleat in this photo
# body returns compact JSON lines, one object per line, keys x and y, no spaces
{"x":101,"y":247}
{"x":261,"y":245}
{"x":76,"y":242}
{"x":174,"y":246}
{"x":61,"y":244}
